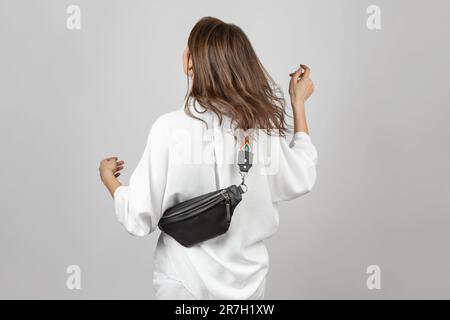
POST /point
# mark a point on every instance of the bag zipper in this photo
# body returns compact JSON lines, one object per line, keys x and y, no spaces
{"x":207,"y":199}
{"x":187,"y":216}
{"x":228,"y":205}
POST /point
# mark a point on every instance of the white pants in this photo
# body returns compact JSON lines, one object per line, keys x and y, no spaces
{"x":167,"y":288}
{"x":170,"y":289}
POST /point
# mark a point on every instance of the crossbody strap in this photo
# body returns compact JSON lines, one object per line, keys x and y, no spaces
{"x":245,"y":160}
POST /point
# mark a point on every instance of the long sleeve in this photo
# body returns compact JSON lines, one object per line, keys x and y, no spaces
{"x":138,"y":206}
{"x":296,"y":171}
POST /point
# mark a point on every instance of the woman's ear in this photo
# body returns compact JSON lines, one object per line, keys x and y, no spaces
{"x":190,"y":66}
{"x":187,"y":63}
{"x":185,"y":60}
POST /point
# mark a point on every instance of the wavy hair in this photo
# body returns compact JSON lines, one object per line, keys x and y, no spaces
{"x":229,"y":79}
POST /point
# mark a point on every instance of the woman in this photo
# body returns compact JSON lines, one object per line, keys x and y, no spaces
{"x":192,"y":151}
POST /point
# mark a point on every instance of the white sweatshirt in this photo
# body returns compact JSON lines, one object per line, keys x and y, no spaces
{"x":184,"y":158}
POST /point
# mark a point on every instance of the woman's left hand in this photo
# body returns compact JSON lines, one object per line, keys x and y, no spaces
{"x":110,"y":167}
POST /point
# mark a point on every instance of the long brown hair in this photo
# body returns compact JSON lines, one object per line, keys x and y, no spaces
{"x":230,"y":80}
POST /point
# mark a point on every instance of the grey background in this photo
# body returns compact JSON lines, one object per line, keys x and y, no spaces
{"x":379,"y":118}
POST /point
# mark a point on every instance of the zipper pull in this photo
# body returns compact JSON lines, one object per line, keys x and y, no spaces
{"x":228,"y":205}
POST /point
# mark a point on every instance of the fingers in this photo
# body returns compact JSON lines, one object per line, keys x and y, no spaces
{"x":304,"y":71}
{"x":307,"y":70}
{"x":119,"y":163}
{"x":118,"y":169}
{"x":112,"y":163}
{"x":297,"y":74}
{"x":301,"y":86}
{"x":294,"y":78}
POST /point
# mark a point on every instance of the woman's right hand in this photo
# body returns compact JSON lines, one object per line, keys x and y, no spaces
{"x":110,"y":167}
{"x":300,"y":87}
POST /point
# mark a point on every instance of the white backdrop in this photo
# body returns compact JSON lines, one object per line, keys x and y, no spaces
{"x":378,"y":119}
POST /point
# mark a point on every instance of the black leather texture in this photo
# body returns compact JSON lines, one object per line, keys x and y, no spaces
{"x":201,"y":218}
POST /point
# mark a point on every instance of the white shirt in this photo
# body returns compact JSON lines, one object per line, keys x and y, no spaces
{"x":182,"y":159}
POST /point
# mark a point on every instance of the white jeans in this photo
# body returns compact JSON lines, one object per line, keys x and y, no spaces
{"x":170,"y":289}
{"x":167,"y":288}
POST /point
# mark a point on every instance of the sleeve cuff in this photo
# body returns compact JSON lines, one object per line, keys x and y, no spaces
{"x":300,"y":138}
{"x":117,"y":191}
{"x":121,"y":202}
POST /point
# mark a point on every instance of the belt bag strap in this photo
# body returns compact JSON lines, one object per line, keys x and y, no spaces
{"x":245,"y":160}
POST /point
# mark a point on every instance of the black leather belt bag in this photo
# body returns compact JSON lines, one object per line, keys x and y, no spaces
{"x":209,"y":215}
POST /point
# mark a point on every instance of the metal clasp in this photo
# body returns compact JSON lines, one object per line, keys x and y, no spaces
{"x":243,"y":176}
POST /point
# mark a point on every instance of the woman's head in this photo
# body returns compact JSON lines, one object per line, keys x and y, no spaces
{"x":229,"y":79}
